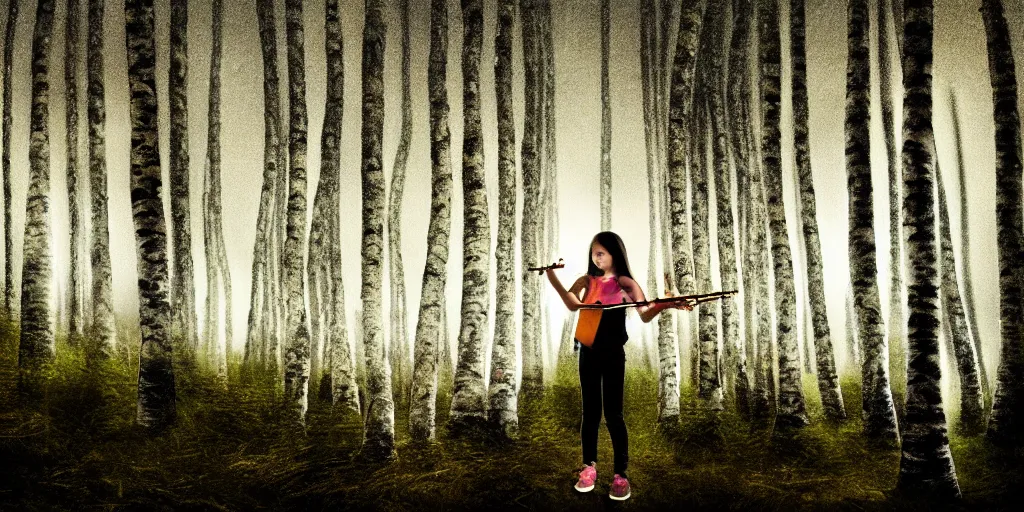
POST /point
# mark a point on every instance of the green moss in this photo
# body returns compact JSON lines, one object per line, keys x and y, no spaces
{"x":235,"y":448}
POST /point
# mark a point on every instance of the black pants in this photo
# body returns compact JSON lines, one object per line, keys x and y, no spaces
{"x":602,"y":372}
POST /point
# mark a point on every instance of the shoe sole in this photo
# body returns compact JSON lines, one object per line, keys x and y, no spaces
{"x":624,"y":498}
{"x":584,"y":489}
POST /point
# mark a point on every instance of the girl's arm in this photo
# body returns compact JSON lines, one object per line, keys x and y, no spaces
{"x":637,"y":295}
{"x":569,"y":297}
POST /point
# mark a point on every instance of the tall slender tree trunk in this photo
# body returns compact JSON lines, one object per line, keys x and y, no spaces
{"x":668,"y":380}
{"x":503,"y":404}
{"x":972,"y":403}
{"x":926,"y":465}
{"x":828,"y":378}
{"x":258,"y":330}
{"x":102,"y":325}
{"x":156,"y":399}
{"x":763,"y":397}
{"x":379,"y":431}
{"x":710,"y":385}
{"x":738,"y":99}
{"x":470,"y":393}
{"x":344,"y":390}
{"x":75,"y":272}
{"x":879,"y":413}
{"x":723,"y":199}
{"x":965,"y":248}
{"x":396,"y":271}
{"x":533,"y":375}
{"x":606,"y":118}
{"x":9,"y":292}
{"x":852,"y":338}
{"x":680,"y":92}
{"x":216,"y":251}
{"x":1007,"y":418}
{"x":792,"y":411}
{"x":183,"y":302}
{"x":431,"y":328}
{"x":897,"y":326}
{"x":324,"y":242}
{"x":36,"y":348}
{"x":296,"y":369}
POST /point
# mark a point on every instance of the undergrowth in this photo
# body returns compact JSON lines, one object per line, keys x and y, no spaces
{"x":233,"y":447}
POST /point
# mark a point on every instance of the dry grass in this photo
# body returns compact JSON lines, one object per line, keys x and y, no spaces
{"x":234,"y":450}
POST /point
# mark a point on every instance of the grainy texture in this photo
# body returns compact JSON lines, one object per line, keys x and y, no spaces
{"x":156,"y":399}
{"x":1006,"y":424}
{"x":9,"y":290}
{"x":503,"y":404}
{"x":606,"y":118}
{"x":926,"y":465}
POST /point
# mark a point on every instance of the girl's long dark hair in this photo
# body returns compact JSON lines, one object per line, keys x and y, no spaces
{"x":616,"y":249}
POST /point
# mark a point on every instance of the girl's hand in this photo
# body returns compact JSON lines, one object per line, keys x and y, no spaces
{"x":685,"y":305}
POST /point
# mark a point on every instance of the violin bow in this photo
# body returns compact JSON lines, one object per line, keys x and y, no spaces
{"x":692,"y":299}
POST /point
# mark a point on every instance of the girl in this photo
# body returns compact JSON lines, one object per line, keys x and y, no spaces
{"x":602,"y":366}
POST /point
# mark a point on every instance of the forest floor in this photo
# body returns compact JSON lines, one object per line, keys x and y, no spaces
{"x":233,"y":449}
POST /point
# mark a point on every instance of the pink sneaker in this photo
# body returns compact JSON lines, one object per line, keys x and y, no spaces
{"x":619,"y":489}
{"x":588,"y":475}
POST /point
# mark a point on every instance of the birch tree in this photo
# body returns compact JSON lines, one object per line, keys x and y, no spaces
{"x":296,"y":370}
{"x":156,"y":399}
{"x":879,"y":412}
{"x":723,"y":198}
{"x":75,"y":272}
{"x":965,"y":247}
{"x":897,"y":325}
{"x":324,"y":236}
{"x":972,"y":403}
{"x":828,"y":378}
{"x":36,"y":347}
{"x":183,"y":309}
{"x":469,"y":395}
{"x":1004,"y":424}
{"x":710,"y":387}
{"x":792,"y":411}
{"x":531,"y":163}
{"x":379,"y":430}
{"x":926,"y":465}
{"x":738,"y":99}
{"x":503,"y":405}
{"x":102,"y":330}
{"x":396,"y":270}
{"x":216,"y":253}
{"x":259,"y":328}
{"x":12,"y":24}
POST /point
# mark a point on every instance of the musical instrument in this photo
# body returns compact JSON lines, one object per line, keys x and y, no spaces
{"x":590,"y":314}
{"x":541,"y":270}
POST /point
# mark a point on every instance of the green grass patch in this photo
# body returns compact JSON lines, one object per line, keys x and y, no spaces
{"x":234,"y":448}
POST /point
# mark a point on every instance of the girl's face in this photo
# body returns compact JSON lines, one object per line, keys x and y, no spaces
{"x":602,"y":260}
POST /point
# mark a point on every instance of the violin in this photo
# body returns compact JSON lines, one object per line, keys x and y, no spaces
{"x":541,"y":270}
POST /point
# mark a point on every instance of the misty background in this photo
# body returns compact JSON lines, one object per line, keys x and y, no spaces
{"x":960,"y":63}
